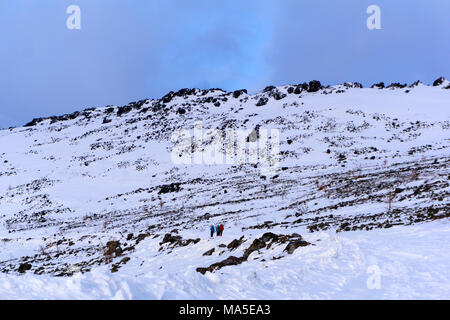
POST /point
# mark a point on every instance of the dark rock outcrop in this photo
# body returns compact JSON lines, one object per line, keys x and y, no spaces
{"x":34,"y":122}
{"x":173,"y":187}
{"x":141,"y":237}
{"x":230,"y":261}
{"x":256,"y":245}
{"x":238,"y":93}
{"x":262,"y":101}
{"x":169,"y":238}
{"x":415,"y":84}
{"x":24,"y":267}
{"x":278,"y":95}
{"x":176,"y":241}
{"x":123,"y":110}
{"x":113,"y":248}
{"x":294,"y":244}
{"x":235,"y":243}
{"x":353,"y":85}
{"x":269,"y":88}
{"x":265,"y":241}
{"x":301,"y":87}
{"x":181,"y":111}
{"x":209,"y":252}
{"x":314,"y":86}
{"x":397,"y":85}
{"x":109,"y":110}
{"x":438,"y":81}
{"x":378,"y":85}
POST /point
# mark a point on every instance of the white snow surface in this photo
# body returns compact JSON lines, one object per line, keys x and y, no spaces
{"x":413,"y":264}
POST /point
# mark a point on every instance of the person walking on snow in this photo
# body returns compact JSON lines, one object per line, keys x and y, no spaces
{"x":218,"y":230}
{"x":221,"y":229}
{"x":212,"y":230}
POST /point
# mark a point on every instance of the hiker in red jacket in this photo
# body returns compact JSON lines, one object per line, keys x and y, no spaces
{"x":221,"y":229}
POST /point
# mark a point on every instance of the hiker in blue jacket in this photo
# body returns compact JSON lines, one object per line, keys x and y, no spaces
{"x":212,"y":230}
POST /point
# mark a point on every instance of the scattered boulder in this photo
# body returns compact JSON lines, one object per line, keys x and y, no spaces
{"x":235,"y":243}
{"x":34,"y":122}
{"x":301,"y":87}
{"x":398,"y":190}
{"x":314,"y":86}
{"x":378,"y":85}
{"x":278,"y":95}
{"x":269,"y":88}
{"x":113,"y":248}
{"x":137,"y":105}
{"x":115,"y":267}
{"x":185,"y":92}
{"x":238,"y":93}
{"x":353,"y":85}
{"x":180,"y":93}
{"x":24,"y":267}
{"x":167,"y":98}
{"x":168,"y":238}
{"x":269,"y":236}
{"x":274,"y":93}
{"x":415,"y":84}
{"x":177,"y":240}
{"x":173,"y":187}
{"x":438,"y":81}
{"x":157,"y":107}
{"x":397,"y":85}
{"x":207,"y":215}
{"x":294,"y":244}
{"x":209,"y":252}
{"x":256,"y":245}
{"x":230,"y":261}
{"x":125,"y":260}
{"x":144,"y":110}
{"x":123,"y":110}
{"x":141,"y":237}
{"x":109,"y":110}
{"x":265,"y":241}
{"x":189,"y":241}
{"x":262,"y":101}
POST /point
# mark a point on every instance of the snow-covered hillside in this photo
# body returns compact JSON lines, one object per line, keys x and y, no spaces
{"x":92,"y":205}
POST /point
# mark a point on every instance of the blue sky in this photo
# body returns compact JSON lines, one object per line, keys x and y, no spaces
{"x":130,"y":50}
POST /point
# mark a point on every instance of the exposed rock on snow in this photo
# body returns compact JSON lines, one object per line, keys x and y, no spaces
{"x":266,"y":241}
{"x":438,"y":81}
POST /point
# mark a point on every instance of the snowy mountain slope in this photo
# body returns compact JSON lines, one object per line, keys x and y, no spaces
{"x":97,"y":192}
